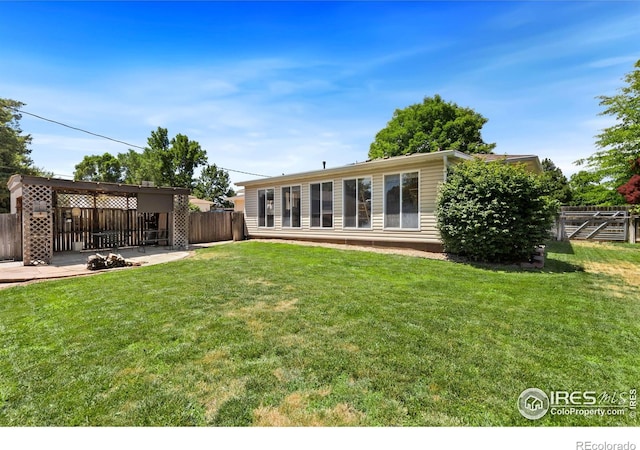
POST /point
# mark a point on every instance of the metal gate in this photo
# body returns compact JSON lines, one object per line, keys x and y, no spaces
{"x":598,"y":224}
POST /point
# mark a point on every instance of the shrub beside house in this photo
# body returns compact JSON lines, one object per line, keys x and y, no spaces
{"x":493,"y":211}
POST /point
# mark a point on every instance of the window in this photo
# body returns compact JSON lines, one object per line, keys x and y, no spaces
{"x":265,"y":207}
{"x":322,"y":204}
{"x":291,"y":206}
{"x":401,"y":201}
{"x":357,"y":203}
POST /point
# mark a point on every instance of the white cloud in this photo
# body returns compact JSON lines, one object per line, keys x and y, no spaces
{"x":60,"y":152}
{"x":598,"y":124}
{"x":580,"y":39}
{"x":627,"y":60}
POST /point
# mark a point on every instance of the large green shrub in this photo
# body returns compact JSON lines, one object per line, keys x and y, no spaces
{"x":493,"y":211}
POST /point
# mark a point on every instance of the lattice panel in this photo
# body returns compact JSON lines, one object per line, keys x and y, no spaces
{"x":181,"y":221}
{"x":115,"y":202}
{"x":105,"y":201}
{"x":37,"y":216}
{"x":64,"y":200}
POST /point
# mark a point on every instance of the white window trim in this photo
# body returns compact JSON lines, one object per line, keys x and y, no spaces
{"x":333,"y":205}
{"x":291,"y":186}
{"x":384,"y":202}
{"x":274,"y":208}
{"x":370,"y":227}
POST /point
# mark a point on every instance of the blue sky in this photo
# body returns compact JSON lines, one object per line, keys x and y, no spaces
{"x":279,"y":87}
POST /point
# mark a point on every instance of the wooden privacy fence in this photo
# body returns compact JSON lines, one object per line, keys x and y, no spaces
{"x":598,"y":223}
{"x":215,"y":226}
{"x":10,"y":237}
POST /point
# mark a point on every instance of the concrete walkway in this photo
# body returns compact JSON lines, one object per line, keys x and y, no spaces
{"x":73,"y":264}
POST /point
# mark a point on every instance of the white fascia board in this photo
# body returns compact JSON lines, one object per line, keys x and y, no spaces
{"x":380,"y":163}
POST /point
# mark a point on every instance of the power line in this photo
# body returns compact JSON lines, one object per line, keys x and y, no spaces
{"x":16,"y":170}
{"x":245,"y":173}
{"x":20,"y":111}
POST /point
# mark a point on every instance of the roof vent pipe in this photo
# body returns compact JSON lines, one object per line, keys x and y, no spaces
{"x":324,"y":164}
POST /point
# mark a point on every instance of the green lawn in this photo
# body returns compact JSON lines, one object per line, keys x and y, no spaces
{"x":274,"y":334}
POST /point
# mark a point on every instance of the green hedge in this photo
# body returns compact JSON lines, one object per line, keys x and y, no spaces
{"x":493,"y":211}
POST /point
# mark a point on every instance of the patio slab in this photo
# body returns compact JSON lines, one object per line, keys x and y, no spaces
{"x":73,"y":264}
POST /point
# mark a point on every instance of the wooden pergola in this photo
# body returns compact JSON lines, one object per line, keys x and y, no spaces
{"x":63,"y":215}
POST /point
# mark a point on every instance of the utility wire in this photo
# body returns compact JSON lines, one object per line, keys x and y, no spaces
{"x":13,"y":170}
{"x":21,"y":111}
{"x":245,"y":173}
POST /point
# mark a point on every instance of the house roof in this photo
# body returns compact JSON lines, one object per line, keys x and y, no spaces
{"x":195,"y":200}
{"x":94,"y":186}
{"x":530,"y":160}
{"x":389,"y":163}
{"x":239,"y":196}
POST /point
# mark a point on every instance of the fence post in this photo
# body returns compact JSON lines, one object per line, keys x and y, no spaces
{"x":633,"y":229}
{"x":237,"y":222}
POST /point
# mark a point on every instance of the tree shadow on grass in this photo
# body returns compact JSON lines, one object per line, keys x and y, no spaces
{"x":552,"y":264}
{"x":562,"y":247}
{"x":557,"y":266}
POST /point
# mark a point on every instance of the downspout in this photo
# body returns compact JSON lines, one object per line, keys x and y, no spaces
{"x":446,"y":166}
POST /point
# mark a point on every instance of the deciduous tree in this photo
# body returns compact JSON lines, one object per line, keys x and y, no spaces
{"x":631,"y":189}
{"x":619,"y":143}
{"x":431,"y":126}
{"x":176,"y":159}
{"x":14,"y":148}
{"x":184,"y":157}
{"x":138,"y":167}
{"x":165,"y":162}
{"x":105,"y":167}
{"x":555,"y":182}
{"x":588,"y":189}
{"x":214,"y":185}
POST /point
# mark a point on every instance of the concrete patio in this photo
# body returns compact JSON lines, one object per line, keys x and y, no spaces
{"x":72,"y":264}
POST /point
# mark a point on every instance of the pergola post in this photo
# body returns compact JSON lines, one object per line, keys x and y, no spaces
{"x":37,"y":224}
{"x":180,"y":229}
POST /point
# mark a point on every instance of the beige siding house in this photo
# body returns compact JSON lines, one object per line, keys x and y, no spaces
{"x":203,"y":205}
{"x":238,"y":201}
{"x":383,"y":202}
